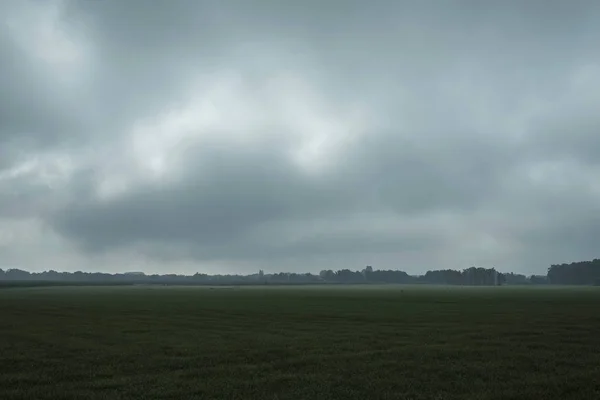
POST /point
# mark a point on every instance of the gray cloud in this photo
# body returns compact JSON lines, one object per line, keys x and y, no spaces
{"x":232,"y":136}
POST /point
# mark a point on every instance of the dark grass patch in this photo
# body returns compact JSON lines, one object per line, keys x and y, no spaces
{"x":299,"y":343}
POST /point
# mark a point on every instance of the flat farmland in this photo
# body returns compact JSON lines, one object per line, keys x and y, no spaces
{"x":325,"y":342}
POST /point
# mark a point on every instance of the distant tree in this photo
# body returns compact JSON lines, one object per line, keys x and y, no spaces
{"x":327,"y":275}
{"x":538,"y":280}
{"x":368,"y":272}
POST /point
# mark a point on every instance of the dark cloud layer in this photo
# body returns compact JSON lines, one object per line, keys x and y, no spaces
{"x":236,"y":135}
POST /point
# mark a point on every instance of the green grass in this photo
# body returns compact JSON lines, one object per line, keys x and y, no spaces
{"x":367,"y":342}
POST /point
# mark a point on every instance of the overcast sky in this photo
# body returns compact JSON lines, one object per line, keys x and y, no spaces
{"x":227,"y":136}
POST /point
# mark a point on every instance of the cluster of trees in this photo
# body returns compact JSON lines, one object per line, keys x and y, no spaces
{"x":471,"y":276}
{"x":578,"y":273}
{"x":366,"y":275}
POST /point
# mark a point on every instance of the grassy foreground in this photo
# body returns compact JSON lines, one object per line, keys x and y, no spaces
{"x":362,"y":342}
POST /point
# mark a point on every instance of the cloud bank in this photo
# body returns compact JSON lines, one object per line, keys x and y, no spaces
{"x":228,"y":136}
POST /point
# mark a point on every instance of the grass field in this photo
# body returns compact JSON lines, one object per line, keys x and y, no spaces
{"x":361,"y":342}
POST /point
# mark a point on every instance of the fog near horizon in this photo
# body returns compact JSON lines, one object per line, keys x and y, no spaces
{"x":231,"y":136}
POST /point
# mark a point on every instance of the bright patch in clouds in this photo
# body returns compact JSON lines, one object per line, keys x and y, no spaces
{"x":41,"y":29}
{"x":225,"y":109}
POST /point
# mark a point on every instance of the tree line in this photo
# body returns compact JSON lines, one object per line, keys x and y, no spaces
{"x":576,"y":273}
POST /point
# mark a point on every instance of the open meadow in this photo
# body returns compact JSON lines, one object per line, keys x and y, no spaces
{"x":326,"y":342}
